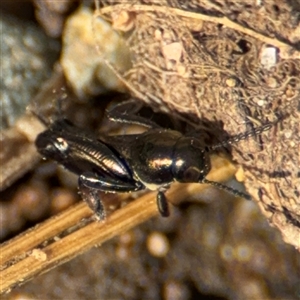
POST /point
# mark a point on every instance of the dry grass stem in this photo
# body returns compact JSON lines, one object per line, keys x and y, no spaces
{"x":65,"y":236}
{"x":19,"y":154}
{"x":196,"y":16}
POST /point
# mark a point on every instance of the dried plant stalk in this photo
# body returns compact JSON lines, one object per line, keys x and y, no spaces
{"x":63,"y":237}
{"x":192,"y":15}
{"x":18,"y":153}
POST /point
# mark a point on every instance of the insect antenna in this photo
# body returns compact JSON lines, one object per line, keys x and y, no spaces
{"x":228,"y":189}
{"x":40,"y":117}
{"x":241,"y":136}
{"x":58,"y":112}
{"x":232,"y":140}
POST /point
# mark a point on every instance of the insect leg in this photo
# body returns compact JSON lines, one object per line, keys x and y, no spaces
{"x":162,"y":204}
{"x":92,"y":199}
{"x":125,"y":112}
{"x":107,"y":184}
{"x":90,"y":184}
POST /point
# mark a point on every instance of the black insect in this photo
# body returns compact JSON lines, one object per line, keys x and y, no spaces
{"x":127,"y":163}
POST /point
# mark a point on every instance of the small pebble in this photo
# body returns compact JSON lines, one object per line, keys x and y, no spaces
{"x":26,"y":61}
{"x":158,"y":244}
{"x":86,"y":40}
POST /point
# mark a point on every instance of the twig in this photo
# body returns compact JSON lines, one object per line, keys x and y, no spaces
{"x":55,"y":241}
{"x":197,"y":16}
{"x":17,"y":151}
{"x":17,"y":159}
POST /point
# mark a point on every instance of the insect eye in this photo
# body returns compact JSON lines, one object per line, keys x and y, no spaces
{"x":191,"y":174}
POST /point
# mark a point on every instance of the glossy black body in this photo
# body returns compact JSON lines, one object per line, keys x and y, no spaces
{"x":163,"y":156}
{"x":126,"y":163}
{"x":82,"y":153}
